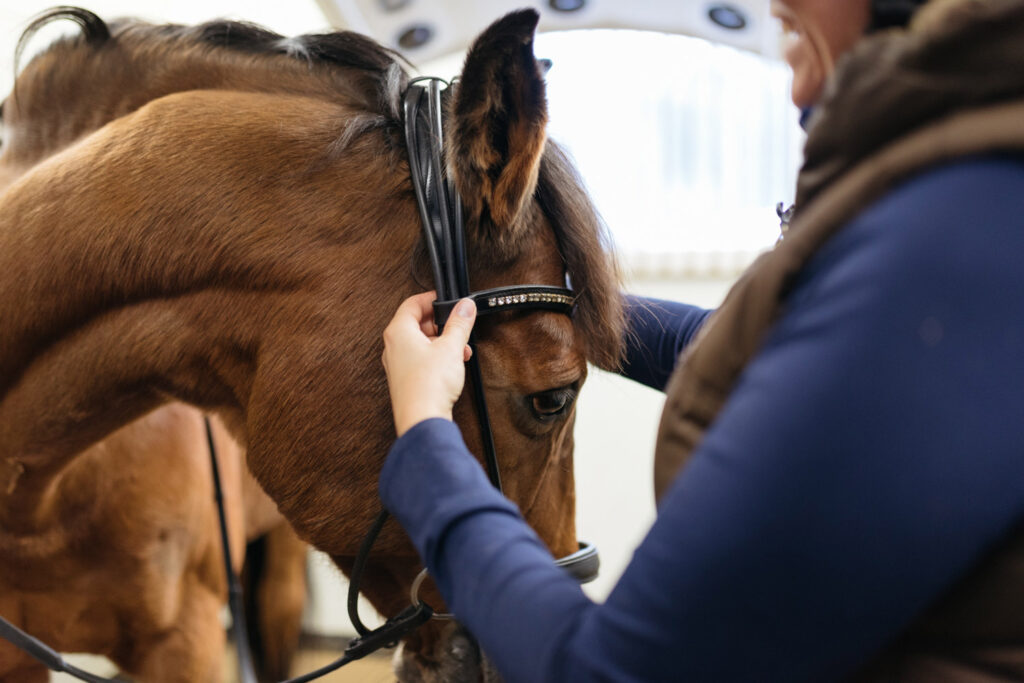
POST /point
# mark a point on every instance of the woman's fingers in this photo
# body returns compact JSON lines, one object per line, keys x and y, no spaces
{"x":414,"y":314}
{"x":421,"y":309}
{"x":425,"y":373}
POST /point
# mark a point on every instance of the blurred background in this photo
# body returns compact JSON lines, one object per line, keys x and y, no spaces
{"x":677,"y":113}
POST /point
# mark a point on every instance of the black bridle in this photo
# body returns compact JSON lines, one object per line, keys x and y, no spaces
{"x":440,"y":210}
{"x":444,"y":234}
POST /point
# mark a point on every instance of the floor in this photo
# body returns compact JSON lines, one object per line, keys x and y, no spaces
{"x":375,"y":668}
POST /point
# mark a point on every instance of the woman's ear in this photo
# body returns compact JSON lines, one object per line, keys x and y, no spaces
{"x":497,"y":124}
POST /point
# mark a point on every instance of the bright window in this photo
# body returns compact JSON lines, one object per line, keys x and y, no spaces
{"x":686,"y":146}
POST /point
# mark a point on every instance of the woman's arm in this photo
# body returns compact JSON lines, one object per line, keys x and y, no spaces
{"x":657,"y":331}
{"x":869,"y":456}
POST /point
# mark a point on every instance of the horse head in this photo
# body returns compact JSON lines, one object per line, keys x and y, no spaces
{"x":223,"y":216}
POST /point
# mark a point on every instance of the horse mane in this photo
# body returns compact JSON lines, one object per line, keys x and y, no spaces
{"x":560,"y":192}
{"x":94,"y":30}
{"x":344,"y":48}
{"x":238,"y":45}
{"x":585,"y":245}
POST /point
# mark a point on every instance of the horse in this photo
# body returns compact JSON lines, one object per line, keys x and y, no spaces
{"x":124,"y":557}
{"x":233,"y":228}
{"x":161,"y":569}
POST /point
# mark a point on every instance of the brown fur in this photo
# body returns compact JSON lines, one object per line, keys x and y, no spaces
{"x":237,"y":237}
{"x":502,"y":111}
{"x":139,"y":580}
{"x":197,"y":581}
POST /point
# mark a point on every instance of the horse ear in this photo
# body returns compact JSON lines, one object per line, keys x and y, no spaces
{"x":497,"y":123}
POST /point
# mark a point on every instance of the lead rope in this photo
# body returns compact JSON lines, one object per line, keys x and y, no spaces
{"x":246,"y":670}
{"x":46,"y":655}
{"x":366,"y":643}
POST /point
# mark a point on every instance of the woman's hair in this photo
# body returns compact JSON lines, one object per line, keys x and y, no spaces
{"x":890,"y":13}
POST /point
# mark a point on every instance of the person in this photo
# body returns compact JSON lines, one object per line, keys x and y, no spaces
{"x":840,"y":463}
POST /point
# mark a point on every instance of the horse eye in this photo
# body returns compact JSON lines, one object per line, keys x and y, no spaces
{"x":548,"y":405}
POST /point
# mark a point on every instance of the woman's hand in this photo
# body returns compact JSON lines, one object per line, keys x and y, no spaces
{"x":425,"y":371}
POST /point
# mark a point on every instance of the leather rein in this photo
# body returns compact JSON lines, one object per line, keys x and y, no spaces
{"x":440,"y":209}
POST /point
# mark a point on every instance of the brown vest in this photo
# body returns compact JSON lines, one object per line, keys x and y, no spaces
{"x":900,"y":103}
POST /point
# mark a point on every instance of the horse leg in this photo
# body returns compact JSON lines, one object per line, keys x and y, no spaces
{"x":191,"y":651}
{"x":281,"y":595}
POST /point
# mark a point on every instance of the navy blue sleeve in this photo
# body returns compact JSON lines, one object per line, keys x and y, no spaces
{"x":868,"y":458}
{"x":476,"y":544}
{"x":657,"y":332}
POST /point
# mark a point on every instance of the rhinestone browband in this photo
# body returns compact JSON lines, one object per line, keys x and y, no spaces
{"x":499,"y":301}
{"x":557,"y":299}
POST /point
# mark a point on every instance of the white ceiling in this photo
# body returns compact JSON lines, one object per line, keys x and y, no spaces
{"x":452,"y":24}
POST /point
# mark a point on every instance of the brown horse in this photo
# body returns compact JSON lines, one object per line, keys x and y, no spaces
{"x":124,"y":555}
{"x":234,"y":227}
{"x":155,"y":572}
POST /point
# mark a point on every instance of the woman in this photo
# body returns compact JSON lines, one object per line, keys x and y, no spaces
{"x":852,"y":419}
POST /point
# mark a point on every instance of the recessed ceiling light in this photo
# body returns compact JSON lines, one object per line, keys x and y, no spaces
{"x":392,"y":5}
{"x":415,"y":36}
{"x":728,"y":17}
{"x":567,"y":5}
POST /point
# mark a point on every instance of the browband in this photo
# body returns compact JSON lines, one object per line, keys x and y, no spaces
{"x":557,"y":299}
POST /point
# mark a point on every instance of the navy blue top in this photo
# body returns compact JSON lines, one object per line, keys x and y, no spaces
{"x":870,"y":454}
{"x":658,"y":332}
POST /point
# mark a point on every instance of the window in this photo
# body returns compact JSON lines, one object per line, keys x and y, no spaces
{"x":686,"y":146}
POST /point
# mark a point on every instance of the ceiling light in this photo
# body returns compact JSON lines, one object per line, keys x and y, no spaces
{"x":415,"y":36}
{"x":567,"y":5}
{"x":392,"y":5}
{"x":728,"y":17}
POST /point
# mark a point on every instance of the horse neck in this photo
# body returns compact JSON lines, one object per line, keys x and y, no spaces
{"x":193,"y":264}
